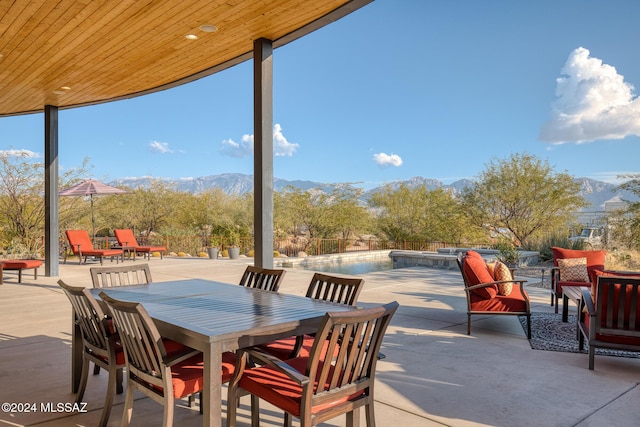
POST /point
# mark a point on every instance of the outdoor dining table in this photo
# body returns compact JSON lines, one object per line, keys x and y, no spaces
{"x":215,"y":317}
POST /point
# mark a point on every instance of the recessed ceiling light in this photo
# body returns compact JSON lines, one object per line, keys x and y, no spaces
{"x":208,"y":28}
{"x":62,"y":90}
{"x":191,"y":37}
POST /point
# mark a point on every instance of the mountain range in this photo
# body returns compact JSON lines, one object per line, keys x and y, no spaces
{"x":595,"y":192}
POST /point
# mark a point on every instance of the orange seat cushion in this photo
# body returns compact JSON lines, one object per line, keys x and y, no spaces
{"x":282,"y":348}
{"x":514,"y":302}
{"x":279,"y":390}
{"x":17,"y":264}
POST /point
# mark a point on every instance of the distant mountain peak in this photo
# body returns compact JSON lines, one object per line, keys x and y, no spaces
{"x":595,"y":192}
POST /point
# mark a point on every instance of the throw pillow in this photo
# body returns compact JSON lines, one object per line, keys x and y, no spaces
{"x":491,"y":267}
{"x":502,"y":272}
{"x":573,"y":270}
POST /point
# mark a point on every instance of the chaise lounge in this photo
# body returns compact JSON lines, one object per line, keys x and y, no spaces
{"x":82,"y":247}
{"x":127,"y":239}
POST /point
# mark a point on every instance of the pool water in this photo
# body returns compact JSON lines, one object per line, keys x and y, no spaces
{"x":353,"y":268}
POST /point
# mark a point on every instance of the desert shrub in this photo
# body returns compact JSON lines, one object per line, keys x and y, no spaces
{"x":203,"y":255}
{"x":620,"y":259}
{"x":544,"y":246}
{"x":182,"y":254}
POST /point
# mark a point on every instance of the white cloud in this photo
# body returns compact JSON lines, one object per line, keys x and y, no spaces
{"x":592,"y":102}
{"x":160,"y":147}
{"x":384,"y":159}
{"x":244,"y":148}
{"x":19,"y":153}
{"x":282,"y":147}
{"x":241,"y":149}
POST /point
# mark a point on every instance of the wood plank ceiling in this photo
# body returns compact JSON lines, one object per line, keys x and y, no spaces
{"x":70,"y":53}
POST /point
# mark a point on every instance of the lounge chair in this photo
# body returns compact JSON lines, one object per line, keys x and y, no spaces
{"x":126,"y":238}
{"x":82,"y":247}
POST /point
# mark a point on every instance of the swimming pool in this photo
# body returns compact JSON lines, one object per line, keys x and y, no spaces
{"x":351,"y":267}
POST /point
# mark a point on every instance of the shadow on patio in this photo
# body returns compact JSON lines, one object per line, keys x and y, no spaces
{"x":434,"y":374}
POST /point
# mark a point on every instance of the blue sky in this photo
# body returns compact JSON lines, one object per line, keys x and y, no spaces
{"x":398,"y":89}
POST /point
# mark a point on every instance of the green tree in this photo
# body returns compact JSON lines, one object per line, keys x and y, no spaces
{"x":417,"y":213}
{"x":521,"y":197}
{"x":626,"y":226}
{"x":22,"y":202}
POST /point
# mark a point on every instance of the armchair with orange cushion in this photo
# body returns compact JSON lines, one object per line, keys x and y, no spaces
{"x":126,"y":238}
{"x":492,"y":291}
{"x":612,"y":314}
{"x":81,"y":246}
{"x":573,"y":268}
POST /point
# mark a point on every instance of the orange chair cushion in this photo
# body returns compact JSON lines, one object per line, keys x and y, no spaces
{"x":475,"y":268}
{"x":125,"y":236}
{"x":17,"y":264}
{"x":282,"y":348}
{"x":607,"y":273}
{"x":79,"y":237}
{"x":187,"y":377}
{"x":514,"y":302}
{"x":626,"y":314}
{"x":595,"y":261}
{"x":279,"y":390}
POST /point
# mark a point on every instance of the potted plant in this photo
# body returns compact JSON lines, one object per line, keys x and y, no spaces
{"x":508,"y":254}
{"x":214,"y":248}
{"x":234,"y":244}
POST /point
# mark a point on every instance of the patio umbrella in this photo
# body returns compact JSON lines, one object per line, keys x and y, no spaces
{"x":89,"y":188}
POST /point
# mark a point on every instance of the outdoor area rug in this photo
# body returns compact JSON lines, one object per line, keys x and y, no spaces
{"x":548,"y":332}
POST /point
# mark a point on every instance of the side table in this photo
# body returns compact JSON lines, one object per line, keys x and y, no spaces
{"x":130,"y":251}
{"x":573,"y":293}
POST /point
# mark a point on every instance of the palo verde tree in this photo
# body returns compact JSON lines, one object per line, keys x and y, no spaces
{"x":417,"y":213}
{"x":522,"y":197}
{"x":22,"y":201}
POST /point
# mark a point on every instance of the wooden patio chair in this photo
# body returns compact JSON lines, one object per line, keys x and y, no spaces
{"x":125,"y":275}
{"x":98,"y":343}
{"x":337,"y":378}
{"x":262,"y":278}
{"x":126,"y":238}
{"x":482,"y":291}
{"x":158,"y":368}
{"x":81,"y":245}
{"x":612,"y":318}
{"x":341,"y":290}
{"x":594,"y":261}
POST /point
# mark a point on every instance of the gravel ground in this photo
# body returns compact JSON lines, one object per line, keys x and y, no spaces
{"x":535,"y":271}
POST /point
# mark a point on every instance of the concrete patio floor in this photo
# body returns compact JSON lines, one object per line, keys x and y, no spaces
{"x":434,"y":374}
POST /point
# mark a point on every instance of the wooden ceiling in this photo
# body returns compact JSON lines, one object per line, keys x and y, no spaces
{"x":70,"y":53}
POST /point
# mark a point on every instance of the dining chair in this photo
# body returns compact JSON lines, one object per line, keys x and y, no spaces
{"x":262,"y":278}
{"x":324,"y":287}
{"x":99,"y":343}
{"x":337,"y":378}
{"x":154,"y":368}
{"x":125,"y":275}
